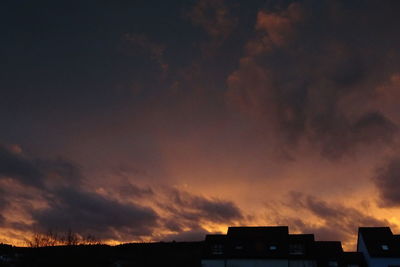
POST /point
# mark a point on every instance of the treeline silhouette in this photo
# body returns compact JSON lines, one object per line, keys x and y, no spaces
{"x":53,"y":238}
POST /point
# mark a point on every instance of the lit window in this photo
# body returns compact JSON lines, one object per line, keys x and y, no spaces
{"x":273,"y":247}
{"x":333,"y":264}
{"x":385,"y":247}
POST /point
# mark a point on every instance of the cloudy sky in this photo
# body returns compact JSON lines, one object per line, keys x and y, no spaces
{"x":166,"y":120}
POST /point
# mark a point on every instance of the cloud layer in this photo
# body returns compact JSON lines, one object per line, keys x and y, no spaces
{"x":312,"y":71}
{"x":387,"y":182}
{"x":68,"y":204}
{"x":143,"y":122}
{"x":327,"y":220}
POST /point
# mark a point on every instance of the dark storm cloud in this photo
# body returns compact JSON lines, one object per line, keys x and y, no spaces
{"x":338,"y":222}
{"x":90,"y":213}
{"x":71,"y":206}
{"x":216,"y":210}
{"x":312,"y":68}
{"x":36,"y":172}
{"x":387,"y":182}
{"x":191,"y":210}
{"x":14,"y":165}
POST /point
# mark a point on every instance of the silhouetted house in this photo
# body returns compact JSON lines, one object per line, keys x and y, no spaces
{"x":354,"y":259}
{"x":331,"y":254}
{"x":328,"y":253}
{"x":274,"y":246}
{"x":379,"y":246}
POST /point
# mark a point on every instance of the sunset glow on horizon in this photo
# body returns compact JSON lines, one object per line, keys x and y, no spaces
{"x":142,"y":121}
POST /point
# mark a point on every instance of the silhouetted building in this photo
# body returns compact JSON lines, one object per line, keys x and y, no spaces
{"x":240,"y":247}
{"x":381,"y":248}
{"x":274,"y":246}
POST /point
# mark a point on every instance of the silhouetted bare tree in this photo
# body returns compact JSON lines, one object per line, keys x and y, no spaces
{"x":70,"y":238}
{"x":52,"y":238}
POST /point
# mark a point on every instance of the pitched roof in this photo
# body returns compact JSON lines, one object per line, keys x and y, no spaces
{"x":258,"y":242}
{"x":327,"y":249}
{"x":266,"y":233}
{"x":380,"y":242}
{"x":273,"y":242}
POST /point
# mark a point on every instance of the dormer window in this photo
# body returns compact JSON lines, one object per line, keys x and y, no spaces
{"x":273,"y":247}
{"x":385,"y":247}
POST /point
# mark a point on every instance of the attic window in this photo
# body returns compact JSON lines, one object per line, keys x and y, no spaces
{"x":385,"y":247}
{"x":273,"y":247}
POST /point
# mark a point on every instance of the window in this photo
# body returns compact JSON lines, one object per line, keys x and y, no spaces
{"x":296,"y":249}
{"x":273,"y":247}
{"x":217,"y":249}
{"x":333,"y":264}
{"x":385,"y":247}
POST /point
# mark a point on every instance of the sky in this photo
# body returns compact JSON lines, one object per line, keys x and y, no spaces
{"x":160,"y":120}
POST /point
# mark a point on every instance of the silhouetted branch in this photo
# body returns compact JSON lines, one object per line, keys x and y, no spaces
{"x":52,"y":238}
